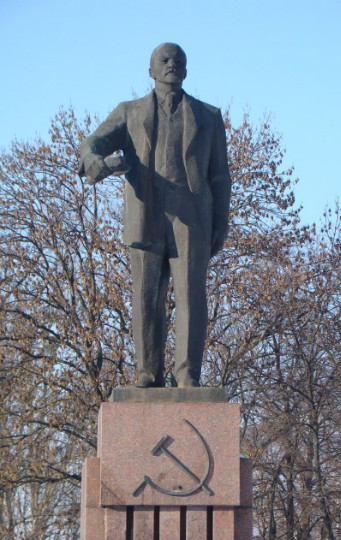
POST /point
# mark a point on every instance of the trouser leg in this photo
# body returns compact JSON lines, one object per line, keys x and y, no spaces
{"x":189,"y":271}
{"x":150,"y":275}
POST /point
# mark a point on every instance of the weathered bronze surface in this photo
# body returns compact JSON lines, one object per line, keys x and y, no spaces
{"x":177,"y":193}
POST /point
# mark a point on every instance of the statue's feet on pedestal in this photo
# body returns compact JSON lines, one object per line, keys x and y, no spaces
{"x":187,"y":382}
{"x":148,"y":381}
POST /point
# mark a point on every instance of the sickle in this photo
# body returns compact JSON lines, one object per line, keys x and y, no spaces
{"x":200,"y":481}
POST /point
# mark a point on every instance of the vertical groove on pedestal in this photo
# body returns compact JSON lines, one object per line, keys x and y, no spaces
{"x":209,"y":526}
{"x":130,"y":522}
{"x":156,"y":523}
{"x":183,"y":522}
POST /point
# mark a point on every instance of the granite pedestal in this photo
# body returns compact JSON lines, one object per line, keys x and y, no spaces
{"x":168,"y":467}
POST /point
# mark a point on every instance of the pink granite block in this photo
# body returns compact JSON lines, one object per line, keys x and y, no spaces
{"x":169,"y":523}
{"x":92,"y":516}
{"x":246,"y":467}
{"x":196,"y":523}
{"x":143,"y":523}
{"x":223,"y":524}
{"x":243,"y":515}
{"x":91,"y":482}
{"x":115,"y":524}
{"x":129,"y":431}
{"x":243,"y":524}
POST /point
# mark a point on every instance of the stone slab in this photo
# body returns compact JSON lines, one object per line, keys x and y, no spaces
{"x":115,"y":524}
{"x":169,"y":523}
{"x":159,"y":395}
{"x":128,"y":431}
{"x":243,"y":526}
{"x":246,"y":467}
{"x":196,"y":522}
{"x":243,"y":515}
{"x":92,"y":515}
{"x":143,"y":523}
{"x":223,"y":524}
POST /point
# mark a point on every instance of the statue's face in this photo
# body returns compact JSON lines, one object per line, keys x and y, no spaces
{"x":168,"y":65}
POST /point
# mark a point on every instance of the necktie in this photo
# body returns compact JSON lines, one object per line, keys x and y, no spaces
{"x":170,"y":103}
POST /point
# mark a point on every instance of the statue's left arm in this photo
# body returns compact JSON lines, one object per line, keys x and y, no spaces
{"x":220,"y":183}
{"x":109,"y":137}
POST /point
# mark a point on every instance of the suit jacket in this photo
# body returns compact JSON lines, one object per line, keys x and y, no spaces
{"x":130,"y":128}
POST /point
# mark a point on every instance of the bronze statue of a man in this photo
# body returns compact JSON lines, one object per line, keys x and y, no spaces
{"x":177,"y":195}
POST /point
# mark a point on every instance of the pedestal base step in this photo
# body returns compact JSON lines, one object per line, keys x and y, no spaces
{"x":164,"y":522}
{"x":178,"y":523}
{"x":168,"y":467}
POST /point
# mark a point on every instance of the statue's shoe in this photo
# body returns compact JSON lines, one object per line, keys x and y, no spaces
{"x":188,"y":382}
{"x":147,"y":381}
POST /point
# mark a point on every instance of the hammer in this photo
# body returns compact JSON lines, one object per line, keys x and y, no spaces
{"x":160,"y":447}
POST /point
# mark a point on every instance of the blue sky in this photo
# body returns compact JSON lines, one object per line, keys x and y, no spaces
{"x":276,"y":56}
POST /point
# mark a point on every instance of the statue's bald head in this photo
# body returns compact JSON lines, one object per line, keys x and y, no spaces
{"x":166,"y":46}
{"x":168,"y":66}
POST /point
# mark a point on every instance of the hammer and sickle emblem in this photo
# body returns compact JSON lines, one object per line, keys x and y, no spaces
{"x":200,"y":482}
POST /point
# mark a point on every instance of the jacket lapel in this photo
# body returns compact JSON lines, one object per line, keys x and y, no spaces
{"x":192,"y":123}
{"x":192,"y":120}
{"x":148,"y":122}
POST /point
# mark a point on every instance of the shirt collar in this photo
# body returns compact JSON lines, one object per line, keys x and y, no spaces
{"x":176,"y":95}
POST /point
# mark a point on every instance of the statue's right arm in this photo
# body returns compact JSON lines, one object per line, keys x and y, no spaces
{"x":109,"y":137}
